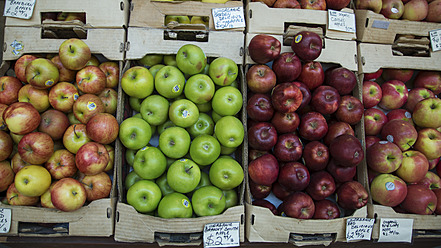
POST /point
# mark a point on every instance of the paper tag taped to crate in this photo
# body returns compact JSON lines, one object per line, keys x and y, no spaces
{"x":19,"y":8}
{"x":396,"y":230}
{"x":435,"y":39}
{"x":341,"y":21}
{"x":359,"y":229}
{"x":5,"y":220}
{"x":225,"y":18}
{"x":224,"y":234}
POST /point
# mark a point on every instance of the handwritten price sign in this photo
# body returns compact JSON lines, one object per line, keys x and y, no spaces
{"x":225,"y":18}
{"x":19,"y":8}
{"x":359,"y":229}
{"x":396,"y":230}
{"x":435,"y":39}
{"x":5,"y":220}
{"x":221,"y":234}
{"x":341,"y":21}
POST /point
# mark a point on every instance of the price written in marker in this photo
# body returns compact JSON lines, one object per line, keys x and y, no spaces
{"x":225,"y":18}
{"x":341,"y":21}
{"x":221,"y":234}
{"x":359,"y":229}
{"x":19,"y":8}
{"x":5,"y":220}
{"x":396,"y":230}
{"x":435,"y":39}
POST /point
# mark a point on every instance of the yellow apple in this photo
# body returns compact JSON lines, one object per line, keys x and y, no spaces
{"x":33,"y":180}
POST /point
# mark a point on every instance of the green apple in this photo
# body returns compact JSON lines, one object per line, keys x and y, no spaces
{"x":227,"y":150}
{"x":138,"y":115}
{"x":174,"y":142}
{"x":205,"y":181}
{"x":169,"y":82}
{"x":223,"y":71}
{"x":74,"y":54}
{"x":215,"y":116}
{"x":135,"y":103}
{"x":204,"y":149}
{"x":165,"y":125}
{"x":131,"y":179}
{"x":208,"y":201}
{"x":149,"y":163}
{"x":204,"y":125}
{"x":154,"y":69}
{"x":227,"y":101}
{"x":144,"y":196}
{"x":154,"y":109}
{"x":229,"y":131}
{"x":199,"y":89}
{"x":183,"y":113}
{"x":204,"y":107}
{"x":231,"y":198}
{"x":226,"y":173}
{"x":130,"y":156}
{"x":190,"y":59}
{"x":176,"y":18}
{"x":150,"y":60}
{"x":170,"y":59}
{"x":73,"y":119}
{"x":135,"y":133}
{"x":163,"y":184}
{"x":137,"y":82}
{"x":75,"y":137}
{"x":175,"y":205}
{"x":42,"y":73}
{"x":200,"y":20}
{"x":183,"y":175}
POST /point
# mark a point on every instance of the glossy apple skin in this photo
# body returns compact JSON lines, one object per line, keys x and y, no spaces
{"x":253,"y":154}
{"x":264,"y":170}
{"x":342,"y":79}
{"x":307,"y":45}
{"x":313,"y":126}
{"x":259,"y":191}
{"x":292,"y":4}
{"x":374,"y":120}
{"x":403,"y":75}
{"x":350,"y":110}
{"x":347,"y":150}
{"x":438,"y":200}
{"x":400,"y":114}
{"x":326,"y":210}
{"x":294,"y":176}
{"x":287,"y":67}
{"x":288,"y":148}
{"x":340,"y":173}
{"x":262,"y":136}
{"x":373,"y":75}
{"x":384,"y":157}
{"x":312,"y":74}
{"x":266,"y":204}
{"x":297,"y":205}
{"x":419,"y":200}
{"x":260,"y":78}
{"x":21,"y":118}
{"x":416,"y":95}
{"x":285,"y":122}
{"x":336,"y":129}
{"x":325,"y":99}
{"x":428,"y":79}
{"x":306,"y":94}
{"x":286,"y":97}
{"x":400,"y":132}
{"x":259,"y":107}
{"x":394,"y":95}
{"x":431,"y":180}
{"x":264,"y":48}
{"x":388,"y":190}
{"x":352,"y":195}
{"x":316,"y":155}
{"x":321,"y":185}
{"x":279,"y":191}
{"x":372,"y":94}
{"x":370,"y":140}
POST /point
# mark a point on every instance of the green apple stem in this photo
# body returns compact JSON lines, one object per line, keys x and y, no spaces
{"x":75,"y":132}
{"x":36,"y":74}
{"x":188,"y":169}
{"x":12,"y":197}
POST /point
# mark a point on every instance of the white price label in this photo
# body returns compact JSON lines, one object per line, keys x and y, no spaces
{"x":225,"y":18}
{"x":396,"y":230}
{"x":341,"y":21}
{"x":5,"y":220}
{"x":19,"y":8}
{"x":359,"y":229}
{"x":221,"y":234}
{"x":435,"y":39}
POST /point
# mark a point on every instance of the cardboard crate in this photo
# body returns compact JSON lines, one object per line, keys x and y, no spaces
{"x":158,"y":10}
{"x":131,"y":226}
{"x":93,"y":219}
{"x":331,"y":52}
{"x":375,"y":28}
{"x":99,"y":14}
{"x":266,"y":20}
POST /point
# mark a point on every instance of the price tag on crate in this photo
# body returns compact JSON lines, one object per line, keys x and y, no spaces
{"x":341,"y":21}
{"x":396,"y":230}
{"x":435,"y":39}
{"x":5,"y":220}
{"x":359,"y":229}
{"x":225,"y":18}
{"x":19,"y":8}
{"x":224,"y":234}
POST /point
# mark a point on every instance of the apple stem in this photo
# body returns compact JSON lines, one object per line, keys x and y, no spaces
{"x":188,"y":169}
{"x":431,"y":210}
{"x":12,"y":197}
{"x":75,"y":132}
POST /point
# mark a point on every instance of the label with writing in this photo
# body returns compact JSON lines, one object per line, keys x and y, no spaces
{"x":19,"y":8}
{"x":396,"y":230}
{"x":359,"y":229}
{"x":221,"y":234}
{"x":341,"y":21}
{"x":225,"y":18}
{"x":435,"y":39}
{"x":5,"y":220}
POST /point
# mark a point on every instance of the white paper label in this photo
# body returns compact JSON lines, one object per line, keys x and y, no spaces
{"x":225,"y":18}
{"x":359,"y":229}
{"x":19,"y":8}
{"x":341,"y":21}
{"x":396,"y":230}
{"x":221,"y":234}
{"x":5,"y":220}
{"x":435,"y":39}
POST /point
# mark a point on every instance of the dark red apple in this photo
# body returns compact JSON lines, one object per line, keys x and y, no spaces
{"x":416,"y":95}
{"x":336,"y":129}
{"x":292,"y":4}
{"x":438,"y":200}
{"x":352,"y":195}
{"x":264,"y":170}
{"x":342,"y":79}
{"x":253,"y":154}
{"x":372,"y":94}
{"x":400,"y":132}
{"x":260,"y":78}
{"x":306,"y":94}
{"x":313,"y":126}
{"x":370,"y":140}
{"x":374,"y":121}
{"x":287,"y":67}
{"x":288,"y":148}
{"x":307,"y":45}
{"x":337,"y":4}
{"x":259,"y":107}
{"x":395,"y":94}
{"x":350,"y":110}
{"x":286,"y":97}
{"x":312,"y":74}
{"x":280,"y":192}
{"x":294,"y":176}
{"x":403,"y":75}
{"x":262,"y":136}
{"x":428,"y":79}
{"x":264,"y":48}
{"x":266,"y":204}
{"x":400,"y":114}
{"x":285,"y":122}
{"x":373,"y":75}
{"x":340,"y":173}
{"x":419,"y":200}
{"x":384,"y":157}
{"x":316,"y":155}
{"x":321,"y":185}
{"x":297,"y":205}
{"x":326,"y":210}
{"x":259,"y":191}
{"x":325,"y":99}
{"x":346,"y":150}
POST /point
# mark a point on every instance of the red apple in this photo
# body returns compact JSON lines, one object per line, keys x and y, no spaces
{"x":92,"y":158}
{"x":264,"y":170}
{"x":285,"y":122}
{"x":340,"y":173}
{"x":66,"y":75}
{"x":259,"y":107}
{"x":97,"y":186}
{"x":86,"y":106}
{"x":306,"y":95}
{"x":297,"y":205}
{"x":394,"y":95}
{"x":325,"y":99}
{"x":433,"y":163}
{"x":321,"y":185}
{"x":102,"y":128}
{"x":316,"y":155}
{"x":336,"y":129}
{"x":253,"y":154}
{"x":279,"y":191}
{"x":388,"y":190}
{"x":370,"y":140}
{"x":9,"y":88}
{"x":68,"y":194}
{"x":292,"y":4}
{"x":427,"y":113}
{"x":308,"y":45}
{"x":342,"y":79}
{"x":20,"y":66}
{"x":264,"y":48}
{"x":384,"y":157}
{"x":429,"y":143}
{"x":431,"y":180}
{"x":109,"y":97}
{"x":62,"y":96}
{"x":352,"y":195}
{"x":266,"y":204}
{"x":6,"y":175}
{"x":413,"y":167}
{"x":61,"y":164}
{"x":294,"y":176}
{"x":6,"y":145}
{"x":416,"y":95}
{"x":288,"y":148}
{"x":259,"y":191}
{"x":91,"y":80}
{"x":17,"y":163}
{"x":428,"y":79}
{"x":346,"y":150}
{"x":350,"y":110}
{"x":400,"y":114}
{"x":400,"y":132}
{"x":262,"y":136}
{"x":415,"y":10}
{"x":326,"y":210}
{"x":111,"y":70}
{"x":419,"y":200}
{"x":312,"y":74}
{"x":286,"y":97}
{"x":392,"y":9}
{"x":372,"y":94}
{"x":36,"y":147}
{"x":373,"y":75}
{"x":15,"y":198}
{"x":269,"y":3}
{"x":21,"y":117}
{"x":374,"y":121}
{"x":313,"y":4}
{"x":260,"y":78}
{"x":54,"y":123}
{"x":313,"y":126}
{"x":402,"y":75}
{"x":287,"y":67}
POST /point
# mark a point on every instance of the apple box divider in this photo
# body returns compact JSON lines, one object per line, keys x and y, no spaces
{"x":424,"y":226}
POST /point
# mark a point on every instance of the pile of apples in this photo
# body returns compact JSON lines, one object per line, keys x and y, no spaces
{"x":302,"y":145}
{"x":58,"y":128}
{"x":181,"y":141}
{"x":403,"y":139}
{"x":306,"y":4}
{"x":412,"y":10}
